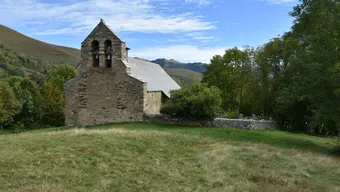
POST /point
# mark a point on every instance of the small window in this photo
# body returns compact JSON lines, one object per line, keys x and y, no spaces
{"x":108,"y":53}
{"x":95,"y":53}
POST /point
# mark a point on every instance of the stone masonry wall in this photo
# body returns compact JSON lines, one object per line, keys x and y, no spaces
{"x":152,"y":102}
{"x":104,"y":98}
{"x":102,"y":33}
{"x":99,"y":95}
{"x":218,"y":122}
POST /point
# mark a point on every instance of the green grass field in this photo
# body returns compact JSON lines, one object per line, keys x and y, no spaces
{"x":154,"y":157}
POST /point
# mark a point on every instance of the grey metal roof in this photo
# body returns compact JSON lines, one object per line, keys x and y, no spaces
{"x":155,"y":76}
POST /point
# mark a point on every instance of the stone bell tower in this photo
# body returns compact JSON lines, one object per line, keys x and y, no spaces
{"x":103,"y":90}
{"x":103,"y":51}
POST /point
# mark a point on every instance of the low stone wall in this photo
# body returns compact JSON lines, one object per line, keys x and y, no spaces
{"x":218,"y":122}
{"x":244,"y":123}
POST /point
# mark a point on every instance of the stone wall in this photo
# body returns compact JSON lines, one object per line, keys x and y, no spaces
{"x":103,"y":94}
{"x":244,"y":123}
{"x":152,"y":102}
{"x":218,"y":122}
{"x":103,"y":98}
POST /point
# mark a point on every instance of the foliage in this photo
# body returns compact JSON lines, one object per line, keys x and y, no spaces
{"x":52,"y":105}
{"x":310,"y":100}
{"x":26,"y":104}
{"x":232,"y":74}
{"x":232,"y":114}
{"x":9,"y":105}
{"x":28,"y":95}
{"x":293,"y":78}
{"x":62,"y":74}
{"x":195,"y":102}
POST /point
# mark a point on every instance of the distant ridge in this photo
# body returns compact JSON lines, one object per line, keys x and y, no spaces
{"x":197,"y":67}
{"x":180,"y":75}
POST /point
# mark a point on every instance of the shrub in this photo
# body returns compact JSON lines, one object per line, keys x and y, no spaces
{"x":196,"y":102}
{"x":233,"y":114}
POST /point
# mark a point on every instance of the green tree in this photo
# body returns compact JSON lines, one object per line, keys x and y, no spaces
{"x":52,"y":105}
{"x":28,"y":95}
{"x":270,"y":66}
{"x":309,"y":100}
{"x":62,"y":74}
{"x":195,"y":102}
{"x":232,"y":74}
{"x":9,"y":106}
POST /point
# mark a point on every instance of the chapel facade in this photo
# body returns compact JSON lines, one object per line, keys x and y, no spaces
{"x":111,"y":87}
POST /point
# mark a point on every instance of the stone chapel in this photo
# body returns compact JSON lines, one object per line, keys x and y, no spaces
{"x":111,"y":87}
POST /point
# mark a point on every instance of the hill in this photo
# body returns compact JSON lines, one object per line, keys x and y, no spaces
{"x":21,"y":55}
{"x":184,"y":76}
{"x":153,"y":157}
{"x":197,"y":67}
{"x":181,"y":75}
{"x":38,"y":50}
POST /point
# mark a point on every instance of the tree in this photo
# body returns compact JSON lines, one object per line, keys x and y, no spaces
{"x":52,"y":105}
{"x":196,"y":102}
{"x":62,"y":74}
{"x":29,"y":98}
{"x":9,"y":106}
{"x":232,"y":74}
{"x":270,"y":66}
{"x":309,"y":100}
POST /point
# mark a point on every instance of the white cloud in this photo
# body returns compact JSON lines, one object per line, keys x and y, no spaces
{"x":201,"y":37}
{"x":280,"y":1}
{"x":183,"y":53}
{"x":204,"y":38}
{"x":199,"y":2}
{"x":76,"y":17}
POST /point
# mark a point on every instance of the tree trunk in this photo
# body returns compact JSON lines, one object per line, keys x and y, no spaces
{"x":1,"y":128}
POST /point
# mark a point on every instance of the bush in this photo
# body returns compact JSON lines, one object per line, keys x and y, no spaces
{"x":197,"y":102}
{"x":233,"y":114}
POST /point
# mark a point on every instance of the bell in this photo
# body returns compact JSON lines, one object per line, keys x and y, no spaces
{"x":97,"y":57}
{"x":108,"y":57}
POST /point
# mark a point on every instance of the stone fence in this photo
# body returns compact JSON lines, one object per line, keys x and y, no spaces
{"x":218,"y":122}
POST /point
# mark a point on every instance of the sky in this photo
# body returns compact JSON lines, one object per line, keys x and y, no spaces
{"x":184,"y":30}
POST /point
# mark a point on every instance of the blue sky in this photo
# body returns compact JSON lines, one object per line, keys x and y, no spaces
{"x":185,"y":30}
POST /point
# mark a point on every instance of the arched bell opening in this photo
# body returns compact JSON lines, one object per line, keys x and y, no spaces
{"x":95,"y":54}
{"x":108,"y":53}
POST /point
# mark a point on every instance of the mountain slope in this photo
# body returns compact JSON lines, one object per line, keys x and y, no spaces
{"x":21,"y":55}
{"x":53,"y":54}
{"x":197,"y":67}
{"x":184,"y":76}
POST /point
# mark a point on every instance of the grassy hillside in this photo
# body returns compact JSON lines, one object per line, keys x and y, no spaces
{"x":152,"y":157}
{"x":184,"y":76}
{"x":16,"y":49}
{"x":196,"y":67}
{"x":13,"y":63}
{"x":39,"y":50}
